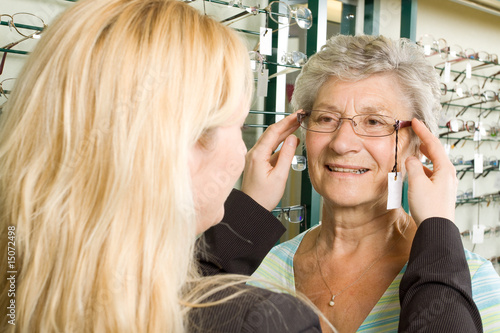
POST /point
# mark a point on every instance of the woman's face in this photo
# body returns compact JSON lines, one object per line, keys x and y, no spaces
{"x":346,"y":169}
{"x":216,"y":168}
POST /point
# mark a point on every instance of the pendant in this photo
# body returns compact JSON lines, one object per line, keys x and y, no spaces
{"x":332,"y":303}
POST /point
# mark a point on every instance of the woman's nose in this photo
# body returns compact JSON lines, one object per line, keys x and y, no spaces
{"x":344,"y":139}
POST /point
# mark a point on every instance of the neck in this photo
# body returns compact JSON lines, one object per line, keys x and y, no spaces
{"x":345,"y":231}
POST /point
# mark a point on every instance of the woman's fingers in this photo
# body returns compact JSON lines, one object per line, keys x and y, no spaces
{"x":431,"y":193}
{"x":431,"y":146}
{"x":266,"y":172}
{"x":276,"y":133}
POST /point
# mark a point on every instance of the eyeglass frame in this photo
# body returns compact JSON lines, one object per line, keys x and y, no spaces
{"x":398,"y":124}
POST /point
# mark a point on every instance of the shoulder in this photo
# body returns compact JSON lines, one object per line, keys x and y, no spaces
{"x":287,"y":249}
{"x":277,"y":266}
{"x":485,"y":290}
{"x":480,"y":267}
{"x":251,"y":309}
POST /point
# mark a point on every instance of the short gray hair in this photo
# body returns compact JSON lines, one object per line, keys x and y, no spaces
{"x":353,"y":58}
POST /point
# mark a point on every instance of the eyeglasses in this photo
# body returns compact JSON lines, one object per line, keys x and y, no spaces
{"x":256,"y":61}
{"x":281,"y":13}
{"x":6,"y":87}
{"x":485,"y":97}
{"x":371,"y":125}
{"x":292,"y":214}
{"x":459,"y":125}
{"x":24,"y":24}
{"x":294,"y":58}
{"x":299,"y":163}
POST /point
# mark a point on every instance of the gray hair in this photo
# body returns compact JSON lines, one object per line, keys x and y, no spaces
{"x":353,"y":58}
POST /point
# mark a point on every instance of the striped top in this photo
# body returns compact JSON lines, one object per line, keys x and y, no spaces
{"x":277,"y":267}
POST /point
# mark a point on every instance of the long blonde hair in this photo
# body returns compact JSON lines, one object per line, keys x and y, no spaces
{"x":94,"y":148}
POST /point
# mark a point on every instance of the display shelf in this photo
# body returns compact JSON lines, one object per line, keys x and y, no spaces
{"x":475,"y":201}
{"x":13,"y":51}
{"x":269,"y":113}
{"x":23,"y":26}
{"x":462,"y":72}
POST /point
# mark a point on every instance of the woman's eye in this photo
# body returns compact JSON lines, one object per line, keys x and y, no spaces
{"x":327,"y":118}
{"x":375,"y":121}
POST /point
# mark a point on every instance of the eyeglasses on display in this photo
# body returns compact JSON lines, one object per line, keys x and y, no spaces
{"x":24,"y":24}
{"x":299,"y":163}
{"x":370,"y":125}
{"x":280,"y":12}
{"x":294,"y":58}
{"x":459,"y":125}
{"x":292,"y":214}
{"x":6,"y":87}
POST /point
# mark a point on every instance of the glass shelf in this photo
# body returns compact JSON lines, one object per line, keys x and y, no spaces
{"x":13,"y":51}
{"x":23,"y":26}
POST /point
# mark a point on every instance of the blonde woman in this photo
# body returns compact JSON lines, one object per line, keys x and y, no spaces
{"x":118,"y":146}
{"x":115,"y":126}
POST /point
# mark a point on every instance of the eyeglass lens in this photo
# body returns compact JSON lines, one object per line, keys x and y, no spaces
{"x":294,"y":214}
{"x":303,"y":16}
{"x":279,"y":12}
{"x":367,"y":125}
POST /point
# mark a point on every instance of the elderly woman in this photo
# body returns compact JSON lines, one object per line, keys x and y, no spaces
{"x":355,"y":97}
{"x":110,"y":167}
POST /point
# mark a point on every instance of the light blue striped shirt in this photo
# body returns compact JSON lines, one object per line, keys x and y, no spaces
{"x":277,"y":267}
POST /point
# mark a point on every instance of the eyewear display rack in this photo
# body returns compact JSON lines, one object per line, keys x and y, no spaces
{"x":469,"y":127}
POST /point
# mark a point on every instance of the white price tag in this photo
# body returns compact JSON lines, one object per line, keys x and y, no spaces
{"x":478,"y":234}
{"x":482,"y":130}
{"x":253,"y":65}
{"x":395,"y":190}
{"x":262,"y":78}
{"x":447,"y":72}
{"x":427,"y":49}
{"x":447,"y":148}
{"x":468,"y":70}
{"x":478,"y":163}
{"x":266,"y":41}
{"x":454,"y":125}
{"x":477,"y":135}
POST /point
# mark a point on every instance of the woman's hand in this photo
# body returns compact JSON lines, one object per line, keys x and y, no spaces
{"x":431,"y":193}
{"x":265,"y":175}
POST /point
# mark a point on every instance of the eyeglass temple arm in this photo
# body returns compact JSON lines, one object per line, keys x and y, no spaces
{"x":300,"y":117}
{"x":403,"y":123}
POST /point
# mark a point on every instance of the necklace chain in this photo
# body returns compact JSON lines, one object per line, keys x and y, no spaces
{"x":332,"y":301}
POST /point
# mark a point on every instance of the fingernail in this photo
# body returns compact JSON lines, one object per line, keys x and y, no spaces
{"x":290,"y":140}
